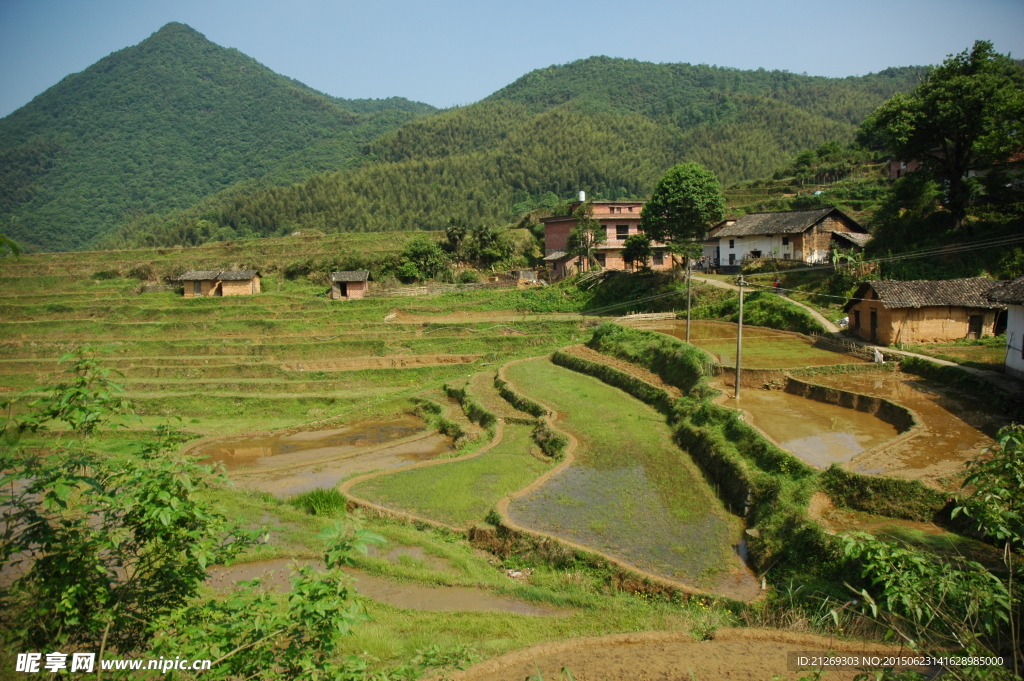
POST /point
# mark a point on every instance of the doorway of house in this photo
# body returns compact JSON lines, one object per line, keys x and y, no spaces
{"x":974,"y":324}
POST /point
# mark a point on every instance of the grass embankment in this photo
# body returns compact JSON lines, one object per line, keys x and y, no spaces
{"x":630,"y":492}
{"x":461,"y":493}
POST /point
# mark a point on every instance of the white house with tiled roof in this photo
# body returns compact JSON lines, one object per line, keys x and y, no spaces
{"x":805,"y":235}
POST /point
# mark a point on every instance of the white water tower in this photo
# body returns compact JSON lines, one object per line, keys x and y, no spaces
{"x":583,"y":196}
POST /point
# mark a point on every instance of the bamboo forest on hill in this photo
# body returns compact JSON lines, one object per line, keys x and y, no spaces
{"x":101,"y":159}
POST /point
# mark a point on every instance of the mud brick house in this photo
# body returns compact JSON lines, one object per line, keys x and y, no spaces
{"x":890,"y":312}
{"x":203,"y":283}
{"x":349,"y":285}
{"x":805,"y":235}
{"x":620,"y":220}
{"x":1011,"y":294}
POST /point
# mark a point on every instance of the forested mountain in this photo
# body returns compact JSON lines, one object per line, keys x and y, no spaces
{"x":608,"y":126}
{"x":161,"y":125}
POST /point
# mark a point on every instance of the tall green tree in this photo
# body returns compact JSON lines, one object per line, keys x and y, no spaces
{"x":637,"y":250}
{"x":586,"y":235}
{"x":966,"y":115}
{"x":686,"y":201}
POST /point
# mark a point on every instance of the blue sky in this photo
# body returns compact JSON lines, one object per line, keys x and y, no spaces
{"x":451,"y":52}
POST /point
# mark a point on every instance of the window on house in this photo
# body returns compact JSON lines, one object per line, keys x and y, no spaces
{"x":630,"y":209}
{"x":600,"y":258}
{"x":732,"y":243}
{"x":658,"y":258}
{"x":621,"y":232}
{"x":785,"y":241}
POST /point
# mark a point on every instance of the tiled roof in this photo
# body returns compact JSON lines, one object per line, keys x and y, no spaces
{"x":1009,"y":292}
{"x":199,"y":275}
{"x":952,"y":292}
{"x":555,"y":255}
{"x":855,"y":238}
{"x":781,"y":222}
{"x":351,"y":275}
{"x":241,"y":275}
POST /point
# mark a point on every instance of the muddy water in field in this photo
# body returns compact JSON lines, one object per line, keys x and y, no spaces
{"x":296,"y":462}
{"x":954,"y":430}
{"x":820,"y":434}
{"x":302,"y":478}
{"x":272,"y":451}
{"x":275,"y":575}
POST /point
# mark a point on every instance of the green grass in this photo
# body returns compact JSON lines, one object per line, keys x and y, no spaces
{"x":762,"y":348}
{"x":631,"y":492}
{"x":982,"y":353}
{"x":460,"y":493}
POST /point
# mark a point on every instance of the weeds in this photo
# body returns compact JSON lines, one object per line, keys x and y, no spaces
{"x":321,"y":502}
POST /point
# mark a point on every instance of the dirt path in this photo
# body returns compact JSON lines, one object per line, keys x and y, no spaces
{"x":732,"y":655}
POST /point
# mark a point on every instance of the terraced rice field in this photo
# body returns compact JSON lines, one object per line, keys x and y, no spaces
{"x":237,"y":364}
{"x":762,"y":348}
{"x":461,"y":493}
{"x":630,"y":493}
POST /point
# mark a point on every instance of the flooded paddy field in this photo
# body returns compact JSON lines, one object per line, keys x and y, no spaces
{"x":821,"y":434}
{"x":293,"y":448}
{"x":762,"y":348}
{"x":299,"y":461}
{"x":953,"y":431}
{"x":630,"y":493}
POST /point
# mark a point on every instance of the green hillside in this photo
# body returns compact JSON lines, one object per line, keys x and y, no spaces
{"x":161,"y":125}
{"x":608,"y":126}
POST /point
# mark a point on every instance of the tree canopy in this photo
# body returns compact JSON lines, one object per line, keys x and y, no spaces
{"x":966,"y":115}
{"x":687,"y":200}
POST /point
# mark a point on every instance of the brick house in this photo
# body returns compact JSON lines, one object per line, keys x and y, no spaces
{"x":805,"y":235}
{"x":889,"y":312}
{"x":620,"y":220}
{"x":349,"y":285}
{"x":204,"y":283}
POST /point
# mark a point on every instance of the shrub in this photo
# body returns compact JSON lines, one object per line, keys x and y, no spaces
{"x":104,"y":275}
{"x":320,"y":502}
{"x":143,"y":272}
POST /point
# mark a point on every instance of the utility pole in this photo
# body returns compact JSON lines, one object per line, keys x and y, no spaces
{"x":739,"y":339}
{"x":689,"y":287}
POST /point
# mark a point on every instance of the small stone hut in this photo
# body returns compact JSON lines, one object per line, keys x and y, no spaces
{"x":349,"y":285}
{"x":889,"y":312}
{"x":203,"y":283}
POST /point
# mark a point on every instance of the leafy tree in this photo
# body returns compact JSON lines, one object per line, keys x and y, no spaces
{"x":637,"y":249}
{"x":967,"y":114}
{"x":586,"y":235}
{"x":422,"y":259}
{"x":685,"y":203}
{"x":103,"y":545}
